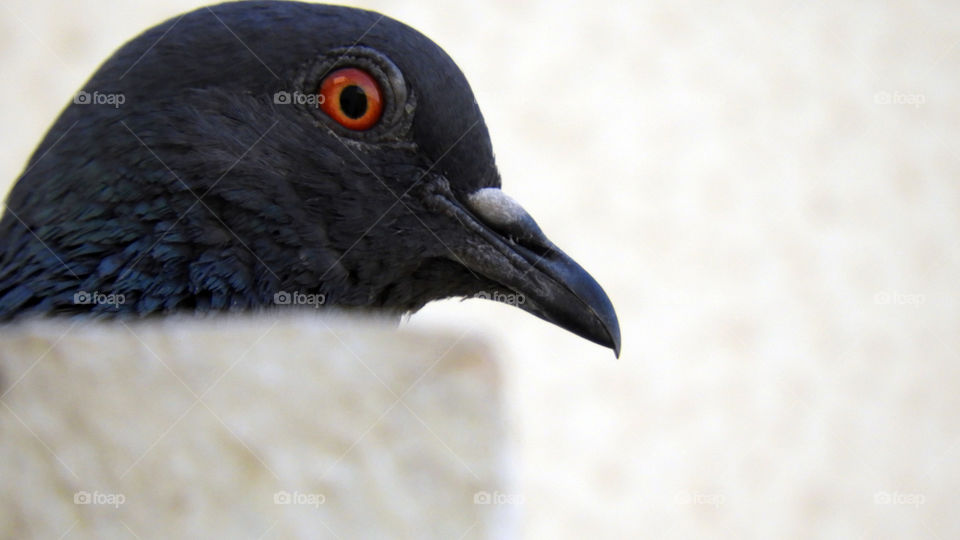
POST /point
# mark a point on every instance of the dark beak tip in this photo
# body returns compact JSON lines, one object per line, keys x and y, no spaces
{"x":594,"y":319}
{"x":577,"y":303}
{"x":611,"y":325}
{"x":598,"y":312}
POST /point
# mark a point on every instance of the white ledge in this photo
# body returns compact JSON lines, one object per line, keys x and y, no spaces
{"x":298,"y":427}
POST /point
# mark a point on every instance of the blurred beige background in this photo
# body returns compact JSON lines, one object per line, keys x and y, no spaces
{"x":770,"y":194}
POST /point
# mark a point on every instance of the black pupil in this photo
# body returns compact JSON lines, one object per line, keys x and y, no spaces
{"x":353,"y":101}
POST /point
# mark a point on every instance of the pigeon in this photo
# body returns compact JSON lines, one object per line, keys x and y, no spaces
{"x":262,"y":155}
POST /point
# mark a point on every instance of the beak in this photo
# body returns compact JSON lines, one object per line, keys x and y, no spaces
{"x":515,"y":253}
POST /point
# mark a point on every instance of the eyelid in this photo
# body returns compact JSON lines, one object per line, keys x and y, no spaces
{"x":399,"y":99}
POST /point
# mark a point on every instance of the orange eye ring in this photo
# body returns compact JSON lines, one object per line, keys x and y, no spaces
{"x":352,"y":98}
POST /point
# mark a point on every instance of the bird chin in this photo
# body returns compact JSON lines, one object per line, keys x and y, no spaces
{"x":541,"y":279}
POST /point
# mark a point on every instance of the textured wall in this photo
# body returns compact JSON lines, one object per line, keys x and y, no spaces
{"x":247,"y":428}
{"x":767,"y":190}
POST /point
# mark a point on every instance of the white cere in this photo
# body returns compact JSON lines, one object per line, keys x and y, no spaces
{"x":496,"y":207}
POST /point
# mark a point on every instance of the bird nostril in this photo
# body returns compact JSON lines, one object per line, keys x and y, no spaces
{"x":535,"y":245}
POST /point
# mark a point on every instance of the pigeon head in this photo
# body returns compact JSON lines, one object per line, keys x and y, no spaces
{"x":253,"y":154}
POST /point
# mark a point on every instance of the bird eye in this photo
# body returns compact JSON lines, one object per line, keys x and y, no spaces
{"x":352,"y":98}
